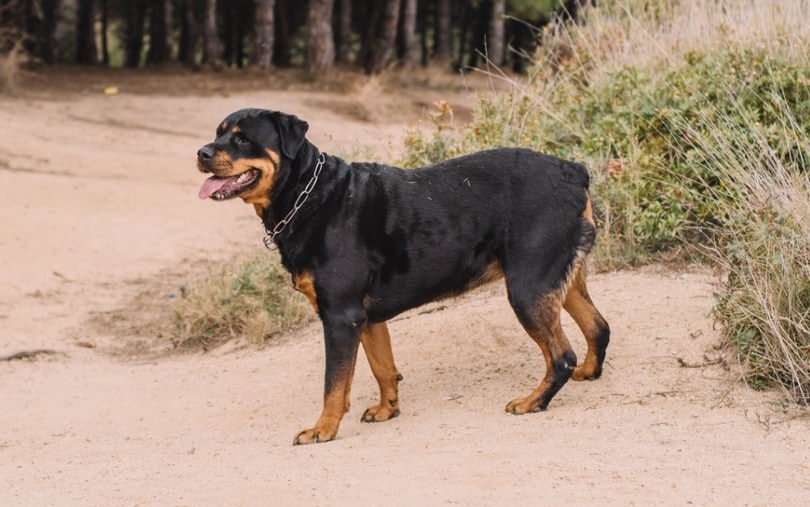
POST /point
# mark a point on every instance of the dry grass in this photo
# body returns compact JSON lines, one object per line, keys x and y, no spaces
{"x":249,"y":299}
{"x":643,"y":32}
{"x":763,"y":247}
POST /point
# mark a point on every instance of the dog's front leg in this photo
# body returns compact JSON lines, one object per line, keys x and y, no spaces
{"x":342,"y":337}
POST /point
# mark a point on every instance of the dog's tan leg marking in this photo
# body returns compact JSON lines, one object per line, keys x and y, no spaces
{"x":377,"y":344}
{"x":579,"y":305}
{"x":334,"y":406}
{"x":547,"y":332}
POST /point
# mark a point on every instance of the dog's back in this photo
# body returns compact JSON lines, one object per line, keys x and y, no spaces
{"x":442,"y":229}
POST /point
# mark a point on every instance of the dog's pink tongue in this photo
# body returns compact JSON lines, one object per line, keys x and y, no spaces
{"x":211,"y":185}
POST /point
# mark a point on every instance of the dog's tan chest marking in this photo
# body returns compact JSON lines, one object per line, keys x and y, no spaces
{"x":305,"y":284}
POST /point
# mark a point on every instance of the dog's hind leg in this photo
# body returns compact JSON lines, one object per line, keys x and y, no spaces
{"x":596,"y":330}
{"x":377,"y":345}
{"x":540,"y":317}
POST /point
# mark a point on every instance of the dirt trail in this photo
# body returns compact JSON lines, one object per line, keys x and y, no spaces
{"x":99,"y":199}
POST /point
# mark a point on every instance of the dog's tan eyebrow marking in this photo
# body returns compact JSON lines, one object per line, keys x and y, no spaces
{"x":236,"y":129}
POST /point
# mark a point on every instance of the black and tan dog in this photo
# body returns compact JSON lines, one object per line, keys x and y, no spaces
{"x":365,"y":242}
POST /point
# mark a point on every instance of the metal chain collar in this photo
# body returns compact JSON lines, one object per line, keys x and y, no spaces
{"x":269,"y":238}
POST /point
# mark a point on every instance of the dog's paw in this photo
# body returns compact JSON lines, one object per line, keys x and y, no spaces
{"x":380,"y":413}
{"x":314,"y":436}
{"x":520,"y":406}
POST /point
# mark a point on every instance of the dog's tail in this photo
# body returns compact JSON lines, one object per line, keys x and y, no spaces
{"x":585,"y":234}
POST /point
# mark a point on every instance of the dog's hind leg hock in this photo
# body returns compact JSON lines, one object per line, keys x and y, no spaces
{"x":541,"y":319}
{"x":595,"y":328}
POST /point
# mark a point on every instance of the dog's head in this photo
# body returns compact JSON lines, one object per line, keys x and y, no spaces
{"x":249,"y":149}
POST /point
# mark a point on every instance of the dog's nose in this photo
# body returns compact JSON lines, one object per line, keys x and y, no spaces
{"x":205,"y":153}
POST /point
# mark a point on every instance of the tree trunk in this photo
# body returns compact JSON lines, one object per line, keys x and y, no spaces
{"x":441,"y":40}
{"x":343,"y":37}
{"x":135,"y":15}
{"x":385,"y":34}
{"x":372,"y":18}
{"x":160,"y":32}
{"x":320,"y":43}
{"x":466,"y":20}
{"x":263,"y":33}
{"x":407,"y":32}
{"x":211,"y":49}
{"x":422,"y":23}
{"x":86,"y":51}
{"x":479,"y":35}
{"x":105,"y":46}
{"x":282,"y":52}
{"x":189,"y":33}
{"x":495,"y":50}
{"x":51,"y":11}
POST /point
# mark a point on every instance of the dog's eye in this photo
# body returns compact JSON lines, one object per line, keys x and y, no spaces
{"x":240,"y":140}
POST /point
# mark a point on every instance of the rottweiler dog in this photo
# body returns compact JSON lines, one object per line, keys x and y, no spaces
{"x":364,"y":242}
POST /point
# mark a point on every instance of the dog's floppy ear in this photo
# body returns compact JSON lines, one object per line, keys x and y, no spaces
{"x":291,"y":132}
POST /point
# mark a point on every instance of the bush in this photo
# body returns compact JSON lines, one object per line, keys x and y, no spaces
{"x":763,"y":245}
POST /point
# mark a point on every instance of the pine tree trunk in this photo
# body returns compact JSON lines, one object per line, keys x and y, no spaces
{"x":189,"y":33}
{"x":263,"y":29}
{"x":385,"y":34}
{"x":135,"y":15}
{"x":496,"y":33}
{"x":373,"y":15}
{"x":86,"y":50}
{"x":105,"y":46}
{"x":211,"y":49}
{"x":479,"y":34}
{"x":408,"y":44}
{"x":282,"y":52}
{"x":160,"y":32}
{"x":320,"y":43}
{"x":343,"y":38}
{"x":441,"y":40}
{"x":51,"y":12}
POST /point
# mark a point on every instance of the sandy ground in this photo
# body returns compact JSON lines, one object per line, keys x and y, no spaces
{"x":99,"y":201}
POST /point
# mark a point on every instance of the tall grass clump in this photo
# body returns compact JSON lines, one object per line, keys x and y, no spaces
{"x":244,"y":299}
{"x":762,"y":245}
{"x":694,"y":118}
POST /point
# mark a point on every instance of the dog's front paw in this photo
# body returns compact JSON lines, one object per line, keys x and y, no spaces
{"x":320,"y":433}
{"x":380,"y":413}
{"x":520,"y":406}
{"x":312,"y":436}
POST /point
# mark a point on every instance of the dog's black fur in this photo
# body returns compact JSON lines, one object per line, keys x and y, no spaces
{"x":372,"y":241}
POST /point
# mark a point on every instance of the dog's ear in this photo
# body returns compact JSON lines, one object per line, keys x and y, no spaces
{"x":292,"y":132}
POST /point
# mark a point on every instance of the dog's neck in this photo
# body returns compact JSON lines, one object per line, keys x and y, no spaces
{"x":292,"y":181}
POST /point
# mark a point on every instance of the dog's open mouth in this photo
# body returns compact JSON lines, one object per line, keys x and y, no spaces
{"x":219,"y":188}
